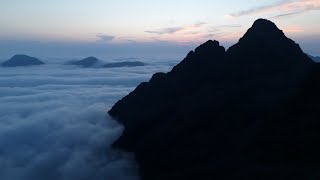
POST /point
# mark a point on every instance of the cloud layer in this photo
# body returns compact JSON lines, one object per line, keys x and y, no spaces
{"x":54,"y":126}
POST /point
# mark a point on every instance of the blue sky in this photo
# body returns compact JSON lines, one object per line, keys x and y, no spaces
{"x":54,"y":28}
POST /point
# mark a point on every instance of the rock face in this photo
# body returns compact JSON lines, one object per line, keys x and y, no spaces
{"x":87,"y":62}
{"x":22,"y":60}
{"x":250,"y":112}
{"x":123,"y":64}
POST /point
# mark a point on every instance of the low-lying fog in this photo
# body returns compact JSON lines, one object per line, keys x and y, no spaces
{"x":54,"y":123}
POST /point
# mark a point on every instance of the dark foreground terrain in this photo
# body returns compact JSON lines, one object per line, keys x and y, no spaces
{"x":251,"y":112}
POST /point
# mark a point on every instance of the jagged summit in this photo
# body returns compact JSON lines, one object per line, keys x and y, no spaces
{"x":22,"y":60}
{"x":207,"y":45}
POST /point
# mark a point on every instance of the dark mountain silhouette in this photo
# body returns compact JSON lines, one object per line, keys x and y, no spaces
{"x":87,"y":62}
{"x":251,"y":112}
{"x":123,"y":64}
{"x":314,"y":58}
{"x":22,"y":60}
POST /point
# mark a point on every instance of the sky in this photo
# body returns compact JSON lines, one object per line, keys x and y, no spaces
{"x":72,"y":28}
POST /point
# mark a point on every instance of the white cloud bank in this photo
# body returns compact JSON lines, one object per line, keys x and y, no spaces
{"x":54,"y":123}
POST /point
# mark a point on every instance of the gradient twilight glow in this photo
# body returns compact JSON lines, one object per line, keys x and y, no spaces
{"x":142,"y":22}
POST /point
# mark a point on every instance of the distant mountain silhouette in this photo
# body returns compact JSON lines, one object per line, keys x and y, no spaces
{"x":94,"y":62}
{"x":251,"y":112}
{"x":314,"y":58}
{"x":22,"y":60}
{"x":123,"y":64}
{"x":87,"y":62}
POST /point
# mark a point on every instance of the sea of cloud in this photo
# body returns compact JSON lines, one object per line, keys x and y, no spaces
{"x":54,"y":123}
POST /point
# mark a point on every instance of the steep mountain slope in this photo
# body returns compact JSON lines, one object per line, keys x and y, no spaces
{"x":226,"y":115}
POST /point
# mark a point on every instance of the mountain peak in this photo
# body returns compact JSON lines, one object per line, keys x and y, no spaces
{"x":263,"y":22}
{"x":87,"y":62}
{"x":91,"y":58}
{"x":22,"y":60}
{"x":210,"y":44}
{"x":263,"y":29}
{"x":265,"y":43}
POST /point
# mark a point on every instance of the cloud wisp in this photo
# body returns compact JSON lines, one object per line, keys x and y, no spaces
{"x":169,"y":30}
{"x":175,"y":29}
{"x":288,"y":6}
{"x":228,"y":26}
{"x":215,"y":29}
{"x":104,"y":38}
{"x":284,"y":15}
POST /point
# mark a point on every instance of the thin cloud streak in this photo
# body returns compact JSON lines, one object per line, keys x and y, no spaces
{"x":104,"y":38}
{"x":228,"y":26}
{"x":284,"y":15}
{"x":211,"y":35}
{"x":170,"y":30}
{"x":282,"y":6}
{"x":173,"y":30}
{"x":199,"y":24}
{"x":220,"y":27}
